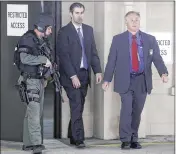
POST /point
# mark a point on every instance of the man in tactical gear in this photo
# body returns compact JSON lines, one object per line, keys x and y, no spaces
{"x":33,"y":66}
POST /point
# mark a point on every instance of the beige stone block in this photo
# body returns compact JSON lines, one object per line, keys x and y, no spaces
{"x":160,"y":109}
{"x":156,"y":9}
{"x":156,"y":16}
{"x":65,"y":13}
{"x":161,"y":88}
{"x":97,"y":94}
{"x":112,"y":104}
{"x":88,"y":108}
{"x":88,"y":126}
{"x":98,"y":127}
{"x":64,"y":95}
{"x":147,"y":129}
{"x":89,"y":13}
{"x":158,"y":86}
{"x":155,"y":75}
{"x":88,"y":96}
{"x":111,"y":24}
{"x":65,"y":120}
{"x":142,"y":126}
{"x":162,"y":129}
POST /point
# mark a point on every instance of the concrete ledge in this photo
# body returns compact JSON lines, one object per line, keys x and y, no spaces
{"x":172,"y":91}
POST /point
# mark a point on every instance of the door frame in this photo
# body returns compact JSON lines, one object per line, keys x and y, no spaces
{"x":57,"y":97}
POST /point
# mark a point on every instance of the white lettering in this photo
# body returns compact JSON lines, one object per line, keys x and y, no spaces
{"x":17,"y":19}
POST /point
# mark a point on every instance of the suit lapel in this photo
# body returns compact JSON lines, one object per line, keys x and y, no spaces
{"x":74,"y":33}
{"x":144,"y":41}
{"x":126,"y":45}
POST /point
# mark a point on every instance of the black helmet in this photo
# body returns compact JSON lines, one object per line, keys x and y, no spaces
{"x":43,"y":22}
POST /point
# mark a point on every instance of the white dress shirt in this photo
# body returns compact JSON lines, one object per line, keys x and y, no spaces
{"x":81,"y":30}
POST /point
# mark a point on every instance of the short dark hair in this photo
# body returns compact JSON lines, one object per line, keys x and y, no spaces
{"x":132,"y":12}
{"x":74,"y":5}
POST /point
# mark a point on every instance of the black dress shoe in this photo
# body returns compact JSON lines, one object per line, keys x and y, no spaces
{"x":135,"y":145}
{"x":125,"y":145}
{"x":72,"y":141}
{"x":80,"y":144}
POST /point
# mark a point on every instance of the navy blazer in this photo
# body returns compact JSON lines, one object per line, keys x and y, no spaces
{"x":119,"y":61}
{"x":69,"y":52}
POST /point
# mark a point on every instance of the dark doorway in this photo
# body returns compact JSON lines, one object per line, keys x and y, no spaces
{"x":12,"y":110}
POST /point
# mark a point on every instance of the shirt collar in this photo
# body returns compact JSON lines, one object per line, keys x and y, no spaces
{"x":130,"y":34}
{"x":76,"y":26}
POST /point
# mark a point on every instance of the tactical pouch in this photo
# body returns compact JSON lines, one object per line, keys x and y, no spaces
{"x":22,"y":92}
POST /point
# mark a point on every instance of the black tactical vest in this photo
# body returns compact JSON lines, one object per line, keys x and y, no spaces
{"x":33,"y":71}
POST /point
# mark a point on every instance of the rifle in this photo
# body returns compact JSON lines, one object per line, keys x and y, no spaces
{"x":46,"y":50}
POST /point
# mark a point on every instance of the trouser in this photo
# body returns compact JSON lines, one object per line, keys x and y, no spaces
{"x":77,"y":100}
{"x":132,"y":105}
{"x":34,"y":113}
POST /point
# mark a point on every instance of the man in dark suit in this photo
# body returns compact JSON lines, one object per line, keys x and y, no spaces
{"x":77,"y":55}
{"x":130,"y":58}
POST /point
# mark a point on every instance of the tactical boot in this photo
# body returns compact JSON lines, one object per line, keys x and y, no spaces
{"x":27,"y":148}
{"x":38,"y":149}
{"x":31,"y":147}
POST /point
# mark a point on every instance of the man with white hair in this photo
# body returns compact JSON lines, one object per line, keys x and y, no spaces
{"x":131,"y":55}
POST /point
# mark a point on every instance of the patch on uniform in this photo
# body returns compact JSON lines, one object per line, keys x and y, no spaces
{"x":23,"y":50}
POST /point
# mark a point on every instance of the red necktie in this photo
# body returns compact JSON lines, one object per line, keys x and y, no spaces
{"x":135,"y":62}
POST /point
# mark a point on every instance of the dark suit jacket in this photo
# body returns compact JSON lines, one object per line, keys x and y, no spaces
{"x":69,"y":52}
{"x":119,"y":61}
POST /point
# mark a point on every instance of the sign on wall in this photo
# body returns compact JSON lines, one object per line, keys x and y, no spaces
{"x":165,"y":42}
{"x":17,"y":19}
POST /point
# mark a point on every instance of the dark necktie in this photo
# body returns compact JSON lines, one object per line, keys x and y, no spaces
{"x":135,"y":62}
{"x":83,"y":49}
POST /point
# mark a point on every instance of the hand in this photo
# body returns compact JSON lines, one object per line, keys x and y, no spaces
{"x":98,"y":78}
{"x":45,"y":83}
{"x":164,"y":78}
{"x":75,"y":81}
{"x":48,"y":63}
{"x":105,"y":86}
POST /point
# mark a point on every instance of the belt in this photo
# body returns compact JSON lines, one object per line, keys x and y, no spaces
{"x":32,"y":76}
{"x":136,"y":74}
{"x":35,"y":99}
{"x":83,"y":69}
